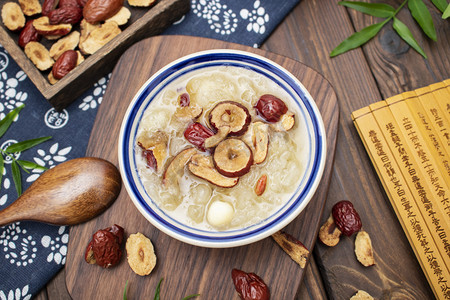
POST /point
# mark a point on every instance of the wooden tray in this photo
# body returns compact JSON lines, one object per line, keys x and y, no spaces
{"x":143,"y":23}
{"x":188,"y":269}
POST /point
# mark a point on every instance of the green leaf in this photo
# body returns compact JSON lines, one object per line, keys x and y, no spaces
{"x":16,"y":177}
{"x":9,"y":118}
{"x":190,"y":296}
{"x":446,"y":13}
{"x":420,"y":13}
{"x":2,"y":167}
{"x":158,"y":290}
{"x":125,"y":291}
{"x":440,"y":4}
{"x":379,"y":10}
{"x":357,"y":39}
{"x":30,"y":165}
{"x":24,"y":145}
{"x":404,"y":32}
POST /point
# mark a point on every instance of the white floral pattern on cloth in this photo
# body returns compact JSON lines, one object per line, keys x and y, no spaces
{"x":257,"y":18}
{"x":93,"y":100}
{"x":16,"y":294}
{"x":48,"y":159}
{"x":57,"y":245}
{"x":220,"y":18}
{"x":18,"y":247}
{"x":10,"y":94}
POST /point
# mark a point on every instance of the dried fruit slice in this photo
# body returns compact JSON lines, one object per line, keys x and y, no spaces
{"x":52,"y":79}
{"x":69,"y":42}
{"x":140,"y":254}
{"x":121,"y":17}
{"x":99,"y":37}
{"x":175,"y":169}
{"x":86,"y":28}
{"x":202,"y":166}
{"x":154,"y":146}
{"x":30,"y":7}
{"x":43,"y":26}
{"x":185,"y":114}
{"x":39,"y":55}
{"x":232,"y":114}
{"x":362,"y":295}
{"x":363,"y":249}
{"x":286,"y":122}
{"x":141,"y":3}
{"x":293,"y":247}
{"x":329,"y":234}
{"x":257,"y":138}
{"x":220,"y":135}
{"x":346,"y":217}
{"x":12,"y":16}
{"x":232,"y":158}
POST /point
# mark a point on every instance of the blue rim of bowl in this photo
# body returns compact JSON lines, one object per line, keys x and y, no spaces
{"x":253,"y":233}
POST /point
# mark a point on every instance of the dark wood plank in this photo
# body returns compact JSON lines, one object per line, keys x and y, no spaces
{"x":188,"y":269}
{"x":143,"y":23}
{"x":361,"y":77}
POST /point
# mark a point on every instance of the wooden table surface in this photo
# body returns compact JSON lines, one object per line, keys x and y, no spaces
{"x":384,"y":67}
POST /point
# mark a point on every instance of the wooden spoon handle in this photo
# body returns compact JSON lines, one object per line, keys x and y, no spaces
{"x":70,"y":193}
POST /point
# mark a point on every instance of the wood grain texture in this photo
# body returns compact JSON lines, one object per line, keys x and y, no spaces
{"x":143,"y":23}
{"x":70,"y":193}
{"x":188,"y":269}
{"x":361,"y":77}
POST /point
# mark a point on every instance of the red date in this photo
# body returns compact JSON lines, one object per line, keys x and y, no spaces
{"x":64,"y":64}
{"x":63,"y":3}
{"x":28,"y":34}
{"x":270,"y":108}
{"x":104,"y":248}
{"x":196,"y":134}
{"x":346,"y":217}
{"x":66,"y":15}
{"x":150,"y":158}
{"x":184,"y":100}
{"x":250,"y":286}
{"x":48,"y":6}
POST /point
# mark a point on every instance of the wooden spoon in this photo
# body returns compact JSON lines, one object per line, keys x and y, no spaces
{"x":70,"y":193}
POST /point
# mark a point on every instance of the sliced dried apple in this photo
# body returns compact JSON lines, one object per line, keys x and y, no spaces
{"x":99,"y":37}
{"x":86,"y":28}
{"x":232,"y":114}
{"x":69,"y":42}
{"x":39,"y":55}
{"x":232,"y":157}
{"x":202,"y":166}
{"x":43,"y":27}
{"x":12,"y":16}
{"x":175,"y":169}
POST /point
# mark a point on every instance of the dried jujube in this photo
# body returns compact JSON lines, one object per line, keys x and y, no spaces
{"x":346,"y":217}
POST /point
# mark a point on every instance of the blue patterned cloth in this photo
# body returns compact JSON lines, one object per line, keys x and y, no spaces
{"x":32,"y":253}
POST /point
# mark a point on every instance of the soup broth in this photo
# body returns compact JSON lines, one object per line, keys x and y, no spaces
{"x":195,"y":201}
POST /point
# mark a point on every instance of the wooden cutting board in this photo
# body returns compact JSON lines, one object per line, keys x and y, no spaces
{"x":188,"y":269}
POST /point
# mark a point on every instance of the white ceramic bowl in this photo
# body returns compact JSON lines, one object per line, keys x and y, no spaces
{"x":315,"y":142}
